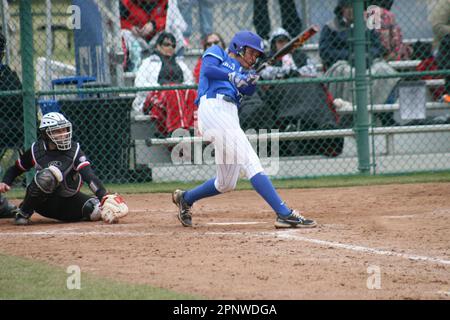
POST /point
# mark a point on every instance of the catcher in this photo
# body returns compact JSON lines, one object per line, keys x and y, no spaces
{"x":61,"y":168}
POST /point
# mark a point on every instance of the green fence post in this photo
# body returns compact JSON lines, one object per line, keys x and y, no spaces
{"x":27,"y":52}
{"x":361,"y":127}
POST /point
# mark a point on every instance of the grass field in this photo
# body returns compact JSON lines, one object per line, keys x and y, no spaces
{"x":26,"y":279}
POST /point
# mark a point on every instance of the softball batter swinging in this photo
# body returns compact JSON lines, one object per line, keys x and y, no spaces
{"x":224,"y":78}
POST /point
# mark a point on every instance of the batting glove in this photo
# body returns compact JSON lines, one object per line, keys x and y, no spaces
{"x":252,"y":77}
{"x":241,"y":80}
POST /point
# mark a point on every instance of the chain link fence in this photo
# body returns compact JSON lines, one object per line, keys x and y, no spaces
{"x":368,"y":93}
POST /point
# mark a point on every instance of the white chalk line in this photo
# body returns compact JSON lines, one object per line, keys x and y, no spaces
{"x":286,"y":234}
{"x":234,"y":223}
{"x":289,"y":234}
{"x":81,"y":233}
{"x":400,"y":217}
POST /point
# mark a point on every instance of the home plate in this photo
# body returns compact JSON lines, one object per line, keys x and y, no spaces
{"x":233,"y":223}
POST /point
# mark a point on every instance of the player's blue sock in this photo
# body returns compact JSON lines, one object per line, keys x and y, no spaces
{"x":204,"y":190}
{"x":262,"y":184}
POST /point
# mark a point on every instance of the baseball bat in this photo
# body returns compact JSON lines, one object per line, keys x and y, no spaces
{"x":295,"y":43}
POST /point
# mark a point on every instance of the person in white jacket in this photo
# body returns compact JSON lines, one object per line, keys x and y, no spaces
{"x":161,"y":68}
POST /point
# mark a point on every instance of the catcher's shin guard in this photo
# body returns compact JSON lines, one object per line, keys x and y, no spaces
{"x":184,"y":210}
{"x":21,"y":218}
{"x":91,"y":210}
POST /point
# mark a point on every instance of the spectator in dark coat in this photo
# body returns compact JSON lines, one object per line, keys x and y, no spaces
{"x":11,"y":109}
{"x":334,"y":44}
{"x":336,"y":51}
{"x":11,"y":119}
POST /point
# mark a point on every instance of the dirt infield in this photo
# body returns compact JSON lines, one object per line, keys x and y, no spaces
{"x":234,"y":252}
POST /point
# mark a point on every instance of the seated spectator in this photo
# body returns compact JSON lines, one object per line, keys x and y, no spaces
{"x":423,"y":51}
{"x":335,"y":49}
{"x":144,"y":18}
{"x":171,"y":109}
{"x":208,"y":41}
{"x":11,"y":109}
{"x":334,"y":42}
{"x":292,"y":64}
{"x":11,"y":119}
{"x":440,"y":20}
{"x":390,"y":33}
{"x":140,"y":21}
{"x":294,"y":106}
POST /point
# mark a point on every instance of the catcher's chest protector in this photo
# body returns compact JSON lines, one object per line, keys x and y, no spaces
{"x":64,"y":161}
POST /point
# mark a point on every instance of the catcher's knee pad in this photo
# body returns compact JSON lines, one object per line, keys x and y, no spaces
{"x":91,"y":209}
{"x":48,"y":179}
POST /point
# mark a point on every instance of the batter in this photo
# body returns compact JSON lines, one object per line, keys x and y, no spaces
{"x":224,"y":78}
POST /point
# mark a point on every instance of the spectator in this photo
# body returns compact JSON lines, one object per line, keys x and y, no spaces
{"x":292,"y":64}
{"x":390,"y":33}
{"x":140,"y":21}
{"x":334,"y":42}
{"x":144,"y":18}
{"x":306,"y":106}
{"x":208,"y":41}
{"x":11,"y":121}
{"x":335,"y":49}
{"x":171,"y":109}
{"x":290,"y":20}
{"x":205,"y":8}
{"x":440,"y":20}
{"x":423,"y":51}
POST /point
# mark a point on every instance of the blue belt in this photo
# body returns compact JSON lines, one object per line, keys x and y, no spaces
{"x":220,"y":96}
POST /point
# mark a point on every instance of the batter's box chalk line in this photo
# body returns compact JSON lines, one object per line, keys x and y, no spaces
{"x":293,"y":235}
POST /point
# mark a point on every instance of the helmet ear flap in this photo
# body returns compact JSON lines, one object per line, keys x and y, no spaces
{"x":237,"y":49}
{"x":241,"y":52}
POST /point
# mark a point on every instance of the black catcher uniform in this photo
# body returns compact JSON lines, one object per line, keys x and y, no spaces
{"x":60,"y":172}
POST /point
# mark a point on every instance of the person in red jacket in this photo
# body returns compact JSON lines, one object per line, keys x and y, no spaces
{"x":208,"y":41}
{"x":144,"y":18}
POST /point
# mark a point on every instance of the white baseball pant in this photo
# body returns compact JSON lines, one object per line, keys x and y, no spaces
{"x":218,"y":121}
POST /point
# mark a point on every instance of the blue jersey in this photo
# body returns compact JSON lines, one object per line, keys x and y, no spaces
{"x":216,"y":66}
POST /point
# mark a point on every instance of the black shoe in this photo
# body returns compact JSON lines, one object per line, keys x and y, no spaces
{"x":21,"y":218}
{"x":6,"y":209}
{"x":294,"y":220}
{"x":184,"y":210}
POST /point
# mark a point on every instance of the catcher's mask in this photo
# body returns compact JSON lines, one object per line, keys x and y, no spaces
{"x":56,"y":128}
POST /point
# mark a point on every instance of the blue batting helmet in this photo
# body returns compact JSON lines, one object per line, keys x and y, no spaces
{"x":244,"y":39}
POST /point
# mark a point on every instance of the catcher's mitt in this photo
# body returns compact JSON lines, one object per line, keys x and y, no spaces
{"x":113,"y":207}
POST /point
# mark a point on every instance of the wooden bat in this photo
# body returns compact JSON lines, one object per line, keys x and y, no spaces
{"x":295,"y":43}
